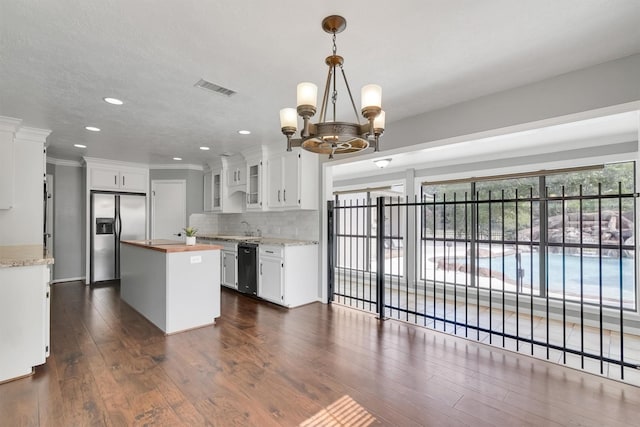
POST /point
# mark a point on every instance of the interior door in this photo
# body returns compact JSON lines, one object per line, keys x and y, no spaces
{"x":168,"y":209}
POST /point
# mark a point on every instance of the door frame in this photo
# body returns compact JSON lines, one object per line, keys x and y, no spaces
{"x":154,"y":184}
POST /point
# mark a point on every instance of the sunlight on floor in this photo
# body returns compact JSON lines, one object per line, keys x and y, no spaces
{"x":343,"y":412}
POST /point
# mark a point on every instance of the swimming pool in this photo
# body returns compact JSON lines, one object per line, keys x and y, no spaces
{"x":587,"y":271}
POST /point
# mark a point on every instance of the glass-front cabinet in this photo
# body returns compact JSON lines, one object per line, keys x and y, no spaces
{"x":254,"y":199}
{"x":216,"y":191}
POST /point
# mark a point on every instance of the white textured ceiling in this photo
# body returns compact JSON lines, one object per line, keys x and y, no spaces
{"x":58,"y":59}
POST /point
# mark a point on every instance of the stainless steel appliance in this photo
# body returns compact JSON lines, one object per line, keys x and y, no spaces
{"x":248,"y":268}
{"x":114,"y":217}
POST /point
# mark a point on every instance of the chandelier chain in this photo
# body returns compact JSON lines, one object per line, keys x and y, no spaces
{"x":335,"y":48}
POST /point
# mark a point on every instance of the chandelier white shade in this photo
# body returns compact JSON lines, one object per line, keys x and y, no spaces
{"x":329,"y":136}
{"x":371,"y":96}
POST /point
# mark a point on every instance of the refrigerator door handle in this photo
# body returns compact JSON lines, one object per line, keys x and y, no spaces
{"x":116,"y":236}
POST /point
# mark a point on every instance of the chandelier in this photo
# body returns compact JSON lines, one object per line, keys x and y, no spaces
{"x":329,"y":136}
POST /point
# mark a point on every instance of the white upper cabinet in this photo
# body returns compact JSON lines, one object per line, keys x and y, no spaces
{"x":207,"y":190}
{"x":236,"y":173}
{"x":103,"y":175}
{"x":256,"y":185}
{"x":7,"y":132}
{"x":218,"y":196}
{"x":293,"y":180}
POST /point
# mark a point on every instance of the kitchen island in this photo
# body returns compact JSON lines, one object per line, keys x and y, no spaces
{"x":175,"y":286}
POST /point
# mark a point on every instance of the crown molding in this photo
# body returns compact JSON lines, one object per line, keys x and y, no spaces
{"x":9,"y":124}
{"x":28,"y":134}
{"x":172,"y":166}
{"x":105,"y":162}
{"x":63,"y":162}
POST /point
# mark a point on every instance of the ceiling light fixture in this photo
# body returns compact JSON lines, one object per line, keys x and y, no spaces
{"x":244,"y":132}
{"x":113,"y":101}
{"x":205,"y":148}
{"x":382,"y":163}
{"x":177,"y":158}
{"x":79,"y":146}
{"x":92,"y":128}
{"x":329,"y":136}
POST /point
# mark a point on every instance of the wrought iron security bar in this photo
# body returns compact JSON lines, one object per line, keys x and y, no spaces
{"x":552,"y":275}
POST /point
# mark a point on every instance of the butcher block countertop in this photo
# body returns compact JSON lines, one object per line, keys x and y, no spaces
{"x":170,"y":246}
{"x":24,"y":255}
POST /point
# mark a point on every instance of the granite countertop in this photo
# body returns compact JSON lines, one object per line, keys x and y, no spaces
{"x":260,"y":240}
{"x":170,"y":246}
{"x":24,"y":255}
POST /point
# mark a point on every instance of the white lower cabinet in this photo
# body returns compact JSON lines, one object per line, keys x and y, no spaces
{"x":288,"y":274}
{"x":270,"y":283}
{"x":228,"y":261}
{"x":230,"y":269}
{"x":24,"y":320}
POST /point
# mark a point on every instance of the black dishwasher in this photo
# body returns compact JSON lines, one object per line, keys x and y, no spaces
{"x":248,"y":268}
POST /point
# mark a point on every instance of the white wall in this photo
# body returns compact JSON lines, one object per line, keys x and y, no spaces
{"x":604,"y":85}
{"x":68,"y":219}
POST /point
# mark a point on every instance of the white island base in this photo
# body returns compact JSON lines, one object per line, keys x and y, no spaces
{"x":176,"y":287}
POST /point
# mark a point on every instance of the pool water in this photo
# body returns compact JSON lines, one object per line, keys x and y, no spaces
{"x":592,"y":270}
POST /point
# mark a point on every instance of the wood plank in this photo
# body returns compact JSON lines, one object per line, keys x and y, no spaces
{"x":263,"y":365}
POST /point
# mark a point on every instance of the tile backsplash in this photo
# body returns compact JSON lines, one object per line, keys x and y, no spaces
{"x":304,"y":225}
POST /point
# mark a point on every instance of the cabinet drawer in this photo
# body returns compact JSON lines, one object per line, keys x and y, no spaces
{"x":271,"y":251}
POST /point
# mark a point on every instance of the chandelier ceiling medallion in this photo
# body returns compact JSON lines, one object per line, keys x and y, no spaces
{"x":329,"y":136}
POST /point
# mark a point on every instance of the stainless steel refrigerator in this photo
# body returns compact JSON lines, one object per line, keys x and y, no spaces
{"x":114,"y":217}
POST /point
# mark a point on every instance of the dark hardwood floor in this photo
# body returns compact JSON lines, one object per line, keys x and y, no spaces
{"x":262,"y":365}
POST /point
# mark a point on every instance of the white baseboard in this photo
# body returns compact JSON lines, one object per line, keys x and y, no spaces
{"x":68,"y":279}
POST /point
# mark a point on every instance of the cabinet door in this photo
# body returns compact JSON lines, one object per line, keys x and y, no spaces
{"x":254,"y":199}
{"x":207,"y":196}
{"x":291,"y":180}
{"x":274,"y":170}
{"x":232,"y":176}
{"x":46,"y":326}
{"x":229,"y":270}
{"x":241,"y":176}
{"x":105,"y":179}
{"x":133,"y":181}
{"x":271,"y":280}
{"x":216,"y":203}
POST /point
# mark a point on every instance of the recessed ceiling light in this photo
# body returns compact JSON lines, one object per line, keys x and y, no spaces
{"x":205,"y":148}
{"x":92,"y":128}
{"x":79,"y":145}
{"x":244,"y":132}
{"x":177,"y":158}
{"x":114,"y":101}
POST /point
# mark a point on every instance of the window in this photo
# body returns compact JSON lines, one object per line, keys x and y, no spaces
{"x":567,"y":235}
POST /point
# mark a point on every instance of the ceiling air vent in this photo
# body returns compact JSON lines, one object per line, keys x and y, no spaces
{"x":214,"y":88}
